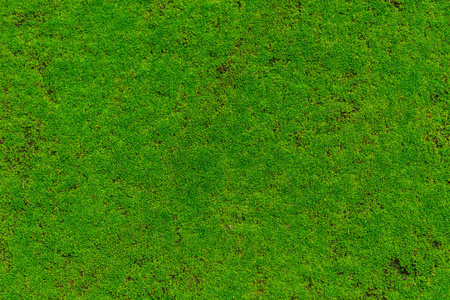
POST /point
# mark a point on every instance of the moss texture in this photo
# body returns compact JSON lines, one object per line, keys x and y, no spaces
{"x":224,"y":149}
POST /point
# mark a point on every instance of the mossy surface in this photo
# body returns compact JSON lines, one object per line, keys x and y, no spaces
{"x":224,"y":149}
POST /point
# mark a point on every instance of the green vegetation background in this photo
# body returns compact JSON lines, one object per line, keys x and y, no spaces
{"x":224,"y":149}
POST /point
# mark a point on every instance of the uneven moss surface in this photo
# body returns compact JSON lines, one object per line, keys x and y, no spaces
{"x":224,"y":149}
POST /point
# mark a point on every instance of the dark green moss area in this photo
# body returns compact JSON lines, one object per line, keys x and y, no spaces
{"x":222,"y":149}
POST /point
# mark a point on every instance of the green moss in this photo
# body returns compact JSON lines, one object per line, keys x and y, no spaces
{"x":224,"y":149}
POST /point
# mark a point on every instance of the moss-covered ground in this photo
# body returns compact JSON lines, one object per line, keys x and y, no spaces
{"x":221,"y":149}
